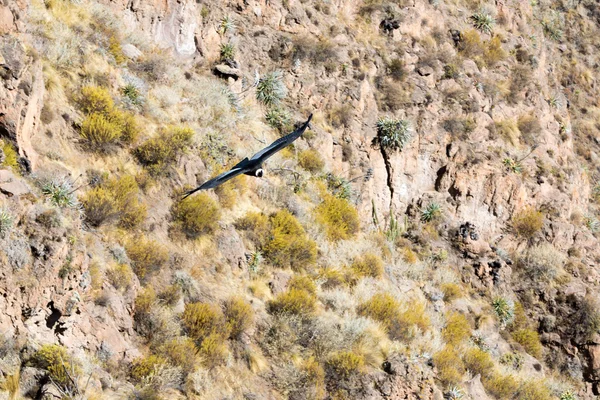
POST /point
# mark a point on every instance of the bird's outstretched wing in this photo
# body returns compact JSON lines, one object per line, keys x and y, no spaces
{"x":217,"y":180}
{"x":281,"y":143}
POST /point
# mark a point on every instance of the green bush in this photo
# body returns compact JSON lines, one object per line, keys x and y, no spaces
{"x":311,"y":161}
{"x":99,"y":131}
{"x":483,"y":22}
{"x":6,"y":222}
{"x":116,"y":199}
{"x":280,"y":119}
{"x":392,"y":134}
{"x":227,"y":52}
{"x":294,"y":302}
{"x":288,"y":244}
{"x":157,"y":153}
{"x":368,"y":265}
{"x":196,"y":215}
{"x":239,"y":316}
{"x":397,"y":70}
{"x":202,"y":320}
{"x":146,"y":255}
{"x":338,"y":217}
{"x":504,"y":309}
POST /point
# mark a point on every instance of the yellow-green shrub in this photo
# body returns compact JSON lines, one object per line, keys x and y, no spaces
{"x":226,"y":194}
{"x":288,"y":244}
{"x":158,"y":152}
{"x":451,"y":291}
{"x":528,"y":222}
{"x":345,"y":364}
{"x":493,"y":51}
{"x":114,"y":48}
{"x":95,"y":99}
{"x":478,"y":362}
{"x":315,"y":375}
{"x":471,"y":45}
{"x":202,"y":320}
{"x":534,"y":390}
{"x":54,"y":359}
{"x":303,"y":282}
{"x":457,"y":329}
{"x":520,"y":318}
{"x":501,"y":386}
{"x":338,"y":217}
{"x":144,"y":300}
{"x":142,"y":367}
{"x":239,"y":316}
{"x":104,"y":124}
{"x":310,"y":160}
{"x":115,"y":199}
{"x":294,"y":302}
{"x":146,"y":255}
{"x":100,"y":131}
{"x":120,"y":276}
{"x":213,"y":351}
{"x":449,"y":365}
{"x":368,"y":265}
{"x":530,"y":340}
{"x":415,"y":315}
{"x":257,"y":224}
{"x":382,"y":307}
{"x":333,"y":277}
{"x":11,"y":157}
{"x":196,"y":215}
{"x":180,"y":352}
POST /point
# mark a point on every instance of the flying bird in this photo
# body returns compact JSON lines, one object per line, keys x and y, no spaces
{"x":253,"y":166}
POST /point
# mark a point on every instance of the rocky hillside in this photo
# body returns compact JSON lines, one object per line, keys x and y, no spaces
{"x":433,"y":235}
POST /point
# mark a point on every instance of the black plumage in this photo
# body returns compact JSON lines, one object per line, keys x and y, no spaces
{"x":253,"y":166}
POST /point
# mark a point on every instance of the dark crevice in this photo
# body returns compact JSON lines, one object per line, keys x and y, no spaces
{"x":54,"y":316}
{"x":440,"y":175}
{"x":388,"y":169}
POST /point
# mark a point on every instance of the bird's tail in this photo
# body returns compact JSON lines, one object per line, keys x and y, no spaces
{"x":189,"y":193}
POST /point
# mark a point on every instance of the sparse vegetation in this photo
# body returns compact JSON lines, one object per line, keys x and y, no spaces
{"x":504,"y":309}
{"x":311,"y":161}
{"x":11,"y":157}
{"x":530,"y":341}
{"x":157,"y":153}
{"x":457,"y":329}
{"x":432,"y":212}
{"x":60,"y":193}
{"x":146,"y":255}
{"x":527,"y":222}
{"x":449,"y":365}
{"x":344,"y":364}
{"x":227,"y":52}
{"x":293,"y":302}
{"x":239,"y":316}
{"x":368,"y":265}
{"x":59,"y":365}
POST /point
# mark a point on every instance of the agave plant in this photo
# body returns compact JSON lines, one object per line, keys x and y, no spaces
{"x":6,"y":221}
{"x":392,"y":133}
{"x":592,"y":223}
{"x":512,"y":165}
{"x":568,"y":395}
{"x":227,"y":25}
{"x":60,"y":193}
{"x":453,"y":393}
{"x":483,"y":21}
{"x":431,"y":212}
{"x":270,"y":89}
{"x":227,"y":52}
{"x":505,"y":310}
